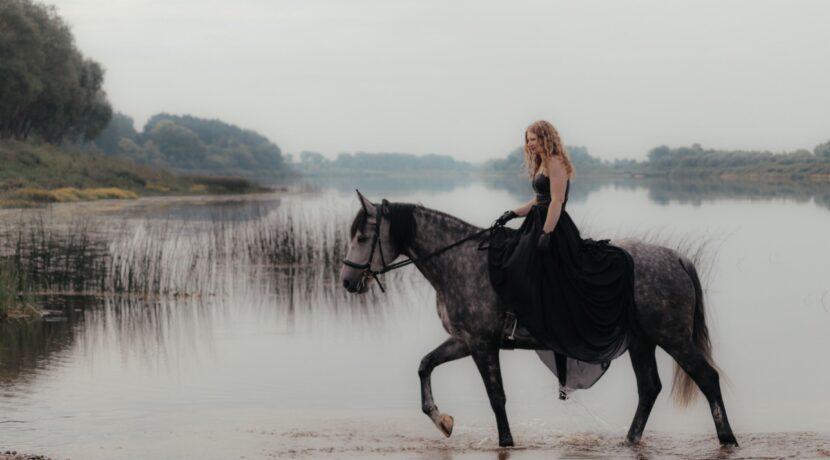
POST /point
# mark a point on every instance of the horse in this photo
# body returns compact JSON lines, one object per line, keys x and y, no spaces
{"x":445,"y":249}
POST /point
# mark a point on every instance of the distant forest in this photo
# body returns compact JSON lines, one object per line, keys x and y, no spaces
{"x":661,"y":161}
{"x":514,"y":163}
{"x":316,"y":163}
{"x":696,"y":160}
{"x":190,"y":143}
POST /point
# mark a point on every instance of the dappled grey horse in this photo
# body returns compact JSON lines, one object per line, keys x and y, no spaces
{"x":445,"y":249}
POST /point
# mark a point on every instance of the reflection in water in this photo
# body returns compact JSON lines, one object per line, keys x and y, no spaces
{"x":26,"y":346}
{"x":661,"y":189}
{"x":216,"y":334}
{"x":382,"y":184}
{"x":665,"y":190}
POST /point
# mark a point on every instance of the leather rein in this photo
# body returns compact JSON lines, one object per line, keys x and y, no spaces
{"x":376,"y":242}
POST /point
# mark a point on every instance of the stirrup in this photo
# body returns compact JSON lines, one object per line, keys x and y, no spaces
{"x":508,"y":335}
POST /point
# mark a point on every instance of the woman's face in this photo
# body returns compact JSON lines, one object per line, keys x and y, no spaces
{"x":533,"y":143}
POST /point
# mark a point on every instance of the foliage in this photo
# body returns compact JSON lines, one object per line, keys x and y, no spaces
{"x":48,"y":89}
{"x":697,"y":160}
{"x":33,"y":172}
{"x":189,"y":143}
{"x":823,"y":150}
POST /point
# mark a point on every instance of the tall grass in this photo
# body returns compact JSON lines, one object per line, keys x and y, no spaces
{"x":15,"y":298}
{"x":292,"y":252}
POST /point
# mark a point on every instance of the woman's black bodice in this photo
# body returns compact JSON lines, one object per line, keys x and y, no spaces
{"x":541,"y":185}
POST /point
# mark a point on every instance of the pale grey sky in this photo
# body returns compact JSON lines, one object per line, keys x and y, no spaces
{"x":466,"y":77}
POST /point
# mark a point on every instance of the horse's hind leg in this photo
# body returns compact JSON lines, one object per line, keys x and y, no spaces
{"x":694,"y":363}
{"x":488,"y":365}
{"x":450,"y":350}
{"x":641,"y":352}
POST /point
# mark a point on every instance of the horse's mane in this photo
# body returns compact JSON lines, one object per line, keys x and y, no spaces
{"x":402,"y":225}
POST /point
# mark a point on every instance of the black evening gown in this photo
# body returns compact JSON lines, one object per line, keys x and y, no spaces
{"x":577,"y":298}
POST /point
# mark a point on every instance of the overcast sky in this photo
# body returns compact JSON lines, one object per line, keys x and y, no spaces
{"x":466,"y":77}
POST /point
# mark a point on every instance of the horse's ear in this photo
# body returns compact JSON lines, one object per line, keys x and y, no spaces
{"x":385,"y":206}
{"x":368,"y":206}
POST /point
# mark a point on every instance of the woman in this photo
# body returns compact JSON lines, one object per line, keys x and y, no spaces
{"x":573,"y":295}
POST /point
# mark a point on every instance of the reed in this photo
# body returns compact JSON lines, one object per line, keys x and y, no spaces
{"x":15,"y":296}
{"x":292,"y":253}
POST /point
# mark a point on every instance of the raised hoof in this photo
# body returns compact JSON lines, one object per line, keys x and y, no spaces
{"x":444,"y":423}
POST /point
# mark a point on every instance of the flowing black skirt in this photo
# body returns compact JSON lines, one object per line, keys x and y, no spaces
{"x":577,"y":298}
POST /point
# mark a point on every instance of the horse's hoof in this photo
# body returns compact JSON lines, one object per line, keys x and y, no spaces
{"x":506,"y":442}
{"x":729,"y":443}
{"x":444,"y":423}
{"x":632,"y":441}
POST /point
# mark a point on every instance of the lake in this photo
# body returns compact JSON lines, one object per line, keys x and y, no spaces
{"x":216,"y":327}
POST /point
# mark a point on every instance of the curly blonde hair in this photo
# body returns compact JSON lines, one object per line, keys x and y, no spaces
{"x":551,"y":147}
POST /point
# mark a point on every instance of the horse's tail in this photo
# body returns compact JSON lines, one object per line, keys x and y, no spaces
{"x":684,"y":389}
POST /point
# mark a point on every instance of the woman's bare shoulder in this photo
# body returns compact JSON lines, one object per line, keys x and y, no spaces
{"x":555,"y":166}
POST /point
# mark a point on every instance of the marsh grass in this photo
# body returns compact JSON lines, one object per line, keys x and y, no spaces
{"x":291,"y":253}
{"x":15,"y":298}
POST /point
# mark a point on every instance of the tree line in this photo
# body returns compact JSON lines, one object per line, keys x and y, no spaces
{"x":189,"y":143}
{"x":314,"y":162}
{"x":48,"y":89}
{"x":696,"y":158}
{"x":515,"y":160}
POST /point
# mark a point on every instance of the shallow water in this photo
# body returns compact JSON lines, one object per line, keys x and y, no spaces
{"x":269,"y":362}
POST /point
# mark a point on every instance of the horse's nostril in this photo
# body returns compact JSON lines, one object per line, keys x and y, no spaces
{"x":346,"y":284}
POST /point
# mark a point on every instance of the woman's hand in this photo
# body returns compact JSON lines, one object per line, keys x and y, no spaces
{"x":504,"y":218}
{"x":543,"y":244}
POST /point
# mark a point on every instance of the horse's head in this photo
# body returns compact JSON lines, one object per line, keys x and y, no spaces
{"x":379,"y":234}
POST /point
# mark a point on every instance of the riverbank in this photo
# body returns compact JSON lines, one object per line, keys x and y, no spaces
{"x":34,"y":174}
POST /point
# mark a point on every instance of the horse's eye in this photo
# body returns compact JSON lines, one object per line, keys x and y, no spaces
{"x":362,"y":238}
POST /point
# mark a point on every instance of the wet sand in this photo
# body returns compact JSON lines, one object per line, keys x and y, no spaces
{"x":12,"y":455}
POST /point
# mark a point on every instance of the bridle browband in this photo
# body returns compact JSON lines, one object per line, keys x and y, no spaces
{"x":367,"y":267}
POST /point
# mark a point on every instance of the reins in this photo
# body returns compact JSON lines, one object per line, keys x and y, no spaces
{"x":367,"y":267}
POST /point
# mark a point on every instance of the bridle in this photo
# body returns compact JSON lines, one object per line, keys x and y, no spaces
{"x":368,"y":273}
{"x":376,"y":243}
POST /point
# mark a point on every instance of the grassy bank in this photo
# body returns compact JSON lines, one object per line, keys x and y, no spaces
{"x":33,"y":173}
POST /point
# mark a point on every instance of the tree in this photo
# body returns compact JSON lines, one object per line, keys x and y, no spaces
{"x":119,"y":127}
{"x":179,"y":144}
{"x":660,"y":154}
{"x":47,"y":88}
{"x":823,"y":150}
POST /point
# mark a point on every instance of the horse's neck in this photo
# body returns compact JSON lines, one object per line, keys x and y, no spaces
{"x":436,"y":230}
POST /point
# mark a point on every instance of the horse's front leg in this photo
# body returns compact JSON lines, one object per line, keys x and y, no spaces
{"x":450,"y":350}
{"x":487,"y":361}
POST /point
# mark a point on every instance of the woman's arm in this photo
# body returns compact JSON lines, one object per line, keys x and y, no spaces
{"x":524,"y":209}
{"x":558,"y":185}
